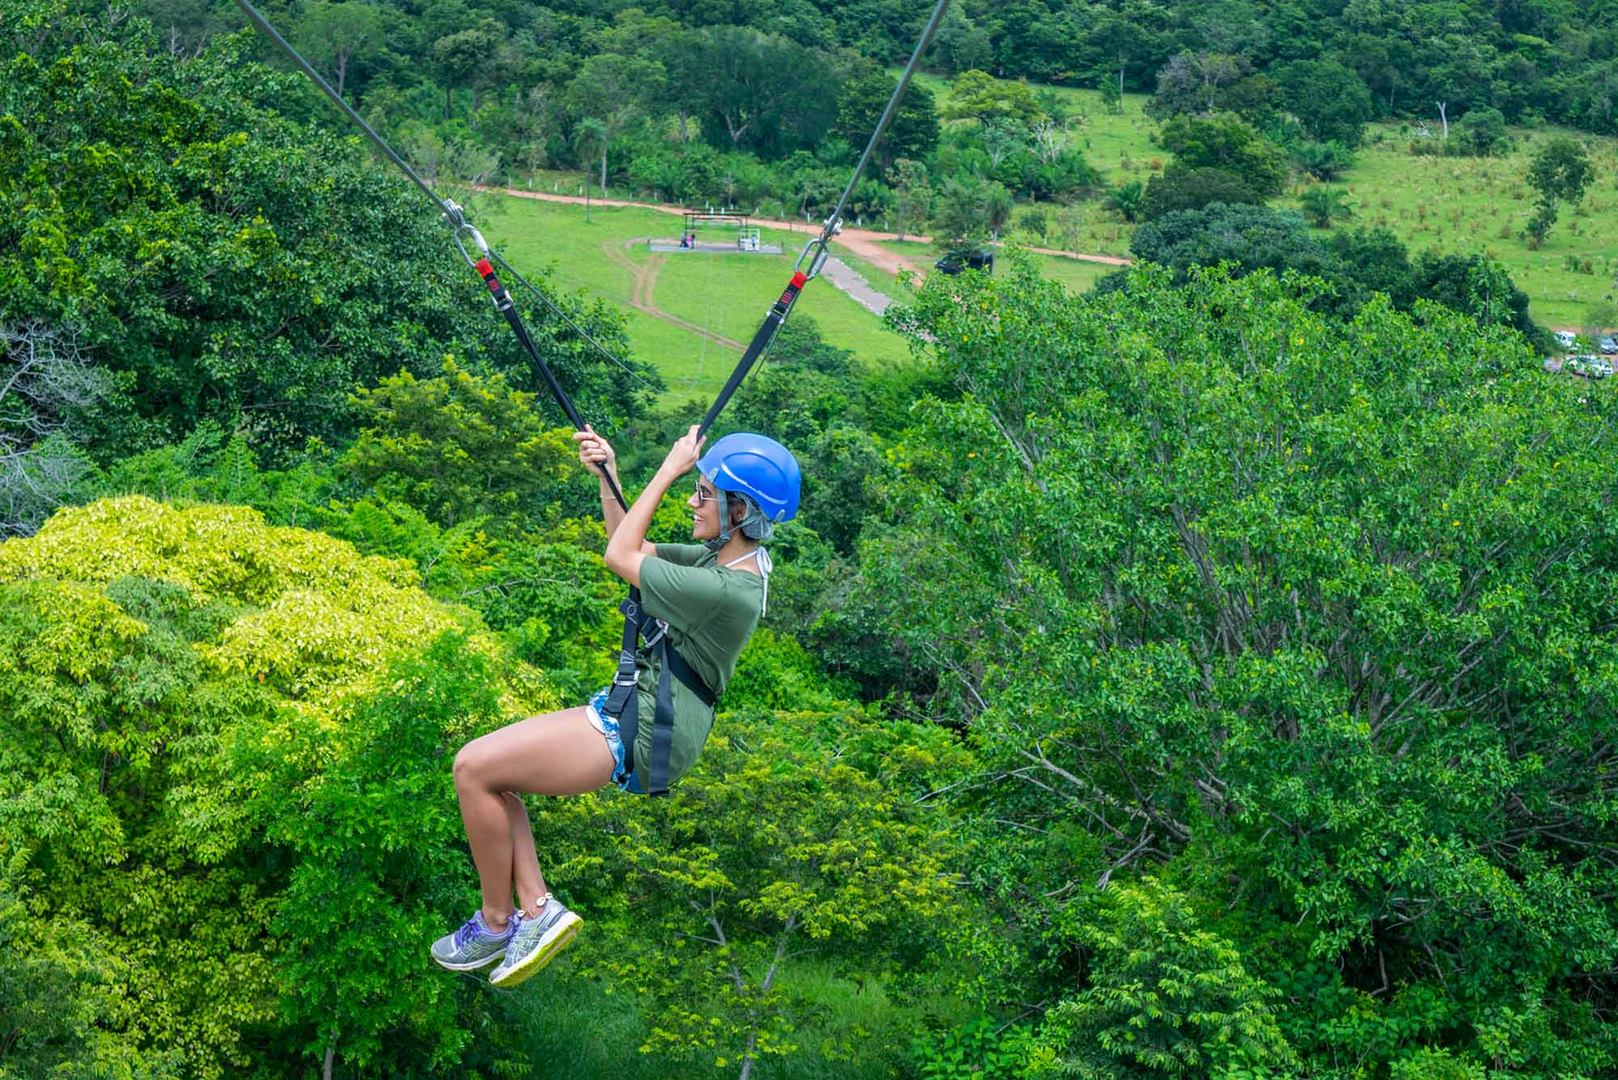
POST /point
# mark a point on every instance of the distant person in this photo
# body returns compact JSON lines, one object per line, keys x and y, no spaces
{"x":685,"y":241}
{"x":711,"y":595}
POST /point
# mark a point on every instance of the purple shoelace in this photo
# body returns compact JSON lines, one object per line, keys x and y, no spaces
{"x":472,"y":926}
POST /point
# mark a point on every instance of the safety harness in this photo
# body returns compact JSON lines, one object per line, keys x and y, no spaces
{"x":651,"y":778}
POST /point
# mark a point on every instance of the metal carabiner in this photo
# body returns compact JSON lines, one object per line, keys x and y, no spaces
{"x":821,"y":246}
{"x":821,"y":250}
{"x":456,"y":219}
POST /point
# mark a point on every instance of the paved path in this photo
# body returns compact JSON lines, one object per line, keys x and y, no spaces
{"x":846,"y":278}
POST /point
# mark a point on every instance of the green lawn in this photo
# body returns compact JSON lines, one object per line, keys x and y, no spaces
{"x":726,"y":294}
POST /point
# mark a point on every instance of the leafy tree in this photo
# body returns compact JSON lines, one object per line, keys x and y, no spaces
{"x":614,"y":90}
{"x":913,"y":132}
{"x":786,"y":840}
{"x":1191,"y":83}
{"x":1560,"y":172}
{"x":1324,"y":205}
{"x":1295,"y":613}
{"x":913,"y":196}
{"x":961,"y":219}
{"x":462,"y":58}
{"x":1477,"y":286}
{"x":1224,"y":141}
{"x":1125,"y":45}
{"x":1483,"y":132}
{"x":1331,"y":102}
{"x":1376,"y":262}
{"x":977,"y":95}
{"x":1251,"y":237}
{"x":461,"y":448}
{"x":1181,"y":188}
{"x":187,"y":678}
{"x":191,"y":249}
{"x":331,"y":32}
{"x":1165,"y":995}
{"x":754,"y":91}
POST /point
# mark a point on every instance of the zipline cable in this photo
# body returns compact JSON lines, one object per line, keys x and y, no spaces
{"x":816,"y":250}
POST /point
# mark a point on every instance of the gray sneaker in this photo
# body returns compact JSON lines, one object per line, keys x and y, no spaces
{"x":474,"y":945}
{"x":538,"y":940}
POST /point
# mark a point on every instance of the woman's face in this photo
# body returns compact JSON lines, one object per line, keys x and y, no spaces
{"x":704,"y":507}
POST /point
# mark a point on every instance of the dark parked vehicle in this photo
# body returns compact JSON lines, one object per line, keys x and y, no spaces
{"x":956,"y":261}
{"x":1608,"y":345}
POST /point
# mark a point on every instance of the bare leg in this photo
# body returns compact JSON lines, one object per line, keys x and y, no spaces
{"x":560,"y":753}
{"x":526,"y":879}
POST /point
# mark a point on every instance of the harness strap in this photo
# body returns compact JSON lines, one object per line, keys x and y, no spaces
{"x":623,"y":700}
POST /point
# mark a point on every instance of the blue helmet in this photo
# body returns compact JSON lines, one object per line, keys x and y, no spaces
{"x":758,"y":467}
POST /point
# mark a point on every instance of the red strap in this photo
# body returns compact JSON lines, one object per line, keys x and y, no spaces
{"x":485,"y":268}
{"x":800,"y":279}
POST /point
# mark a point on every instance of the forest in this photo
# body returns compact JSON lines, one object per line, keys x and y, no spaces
{"x":1210,"y":673}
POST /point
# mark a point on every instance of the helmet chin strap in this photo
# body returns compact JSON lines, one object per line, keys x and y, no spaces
{"x":723,"y":506}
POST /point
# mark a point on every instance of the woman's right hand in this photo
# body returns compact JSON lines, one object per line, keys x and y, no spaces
{"x":595,"y":452}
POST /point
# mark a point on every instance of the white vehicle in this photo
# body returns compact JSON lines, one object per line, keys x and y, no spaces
{"x":1566,"y":338}
{"x":1591,"y":367}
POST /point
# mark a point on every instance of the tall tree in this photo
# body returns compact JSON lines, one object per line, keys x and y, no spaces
{"x":913,"y":132}
{"x":331,"y":32}
{"x":615,"y":90}
{"x":1559,"y":173}
{"x":1331,"y":101}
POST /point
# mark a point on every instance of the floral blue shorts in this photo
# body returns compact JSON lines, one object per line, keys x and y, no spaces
{"x":609,"y":731}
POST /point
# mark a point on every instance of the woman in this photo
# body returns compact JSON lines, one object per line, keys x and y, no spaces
{"x":711,"y":595}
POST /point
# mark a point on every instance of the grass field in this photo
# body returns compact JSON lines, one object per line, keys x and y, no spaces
{"x":1467,"y":205}
{"x":725,"y":294}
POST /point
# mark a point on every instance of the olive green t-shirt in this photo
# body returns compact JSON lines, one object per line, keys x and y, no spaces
{"x":711,"y":612}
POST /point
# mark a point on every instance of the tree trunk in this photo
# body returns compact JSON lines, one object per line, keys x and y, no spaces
{"x":342,"y":71}
{"x":446,"y":101}
{"x":1443,"y":116}
{"x":603,"y":168}
{"x":1120,"y":86}
{"x":325,"y":1070}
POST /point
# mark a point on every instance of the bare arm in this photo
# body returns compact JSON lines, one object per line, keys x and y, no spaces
{"x":627,"y":547}
{"x":597,"y":455}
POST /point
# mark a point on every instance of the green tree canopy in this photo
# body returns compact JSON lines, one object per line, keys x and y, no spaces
{"x":977,"y":95}
{"x":1309,"y":614}
{"x":913,"y":132}
{"x":1226,"y":141}
{"x":1331,"y":102}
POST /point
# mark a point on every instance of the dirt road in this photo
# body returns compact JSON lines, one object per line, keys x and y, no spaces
{"x":644,"y":283}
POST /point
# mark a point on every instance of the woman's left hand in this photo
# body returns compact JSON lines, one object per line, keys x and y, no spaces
{"x":684,"y":454}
